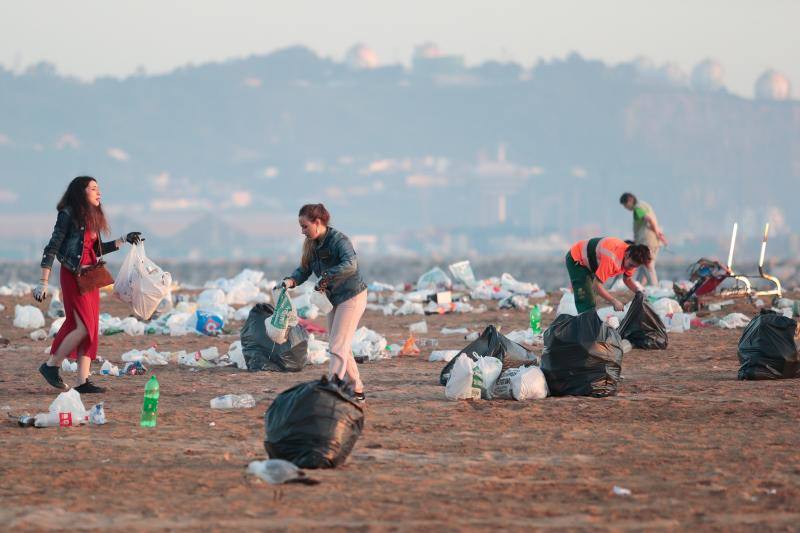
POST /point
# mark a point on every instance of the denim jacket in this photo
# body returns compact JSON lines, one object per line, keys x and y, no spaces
{"x":66,"y":243}
{"x":334,"y":262}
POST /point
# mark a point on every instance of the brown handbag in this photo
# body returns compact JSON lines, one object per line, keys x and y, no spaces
{"x":94,"y":276}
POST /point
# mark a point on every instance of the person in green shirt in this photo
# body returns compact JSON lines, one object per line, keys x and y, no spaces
{"x":645,"y":231}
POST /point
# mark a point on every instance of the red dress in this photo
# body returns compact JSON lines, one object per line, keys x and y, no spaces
{"x":87,"y":306}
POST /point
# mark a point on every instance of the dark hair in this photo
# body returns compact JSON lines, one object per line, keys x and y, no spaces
{"x":75,"y":198}
{"x":639,"y":253}
{"x":312,"y":212}
{"x":627,"y":196}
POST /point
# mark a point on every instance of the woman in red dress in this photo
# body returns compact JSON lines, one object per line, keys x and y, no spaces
{"x":76,"y":243}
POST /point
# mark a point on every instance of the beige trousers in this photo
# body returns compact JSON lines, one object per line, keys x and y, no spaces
{"x":342,"y":323}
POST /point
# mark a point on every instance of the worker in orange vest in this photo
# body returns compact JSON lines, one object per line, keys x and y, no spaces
{"x":592,"y":262}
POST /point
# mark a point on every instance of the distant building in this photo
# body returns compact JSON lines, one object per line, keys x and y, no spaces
{"x":428,"y":60}
{"x":361,"y":57}
{"x":772,"y":85}
{"x":708,"y":76}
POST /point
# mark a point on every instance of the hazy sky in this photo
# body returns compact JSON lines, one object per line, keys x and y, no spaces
{"x":98,"y":37}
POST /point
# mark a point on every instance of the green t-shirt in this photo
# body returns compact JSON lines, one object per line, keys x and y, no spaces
{"x":642,"y":234}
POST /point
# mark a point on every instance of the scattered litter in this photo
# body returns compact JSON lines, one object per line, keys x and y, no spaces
{"x":526,"y":336}
{"x":66,"y":410}
{"x":462,"y":272}
{"x":521,"y":383}
{"x":455,"y":331}
{"x":317,"y":352}
{"x":28,"y":317}
{"x":435,"y":280}
{"x":410,"y":347}
{"x":442,"y":355}
{"x":620,"y":491}
{"x":369,"y":344}
{"x":567,"y":304}
{"x":233,"y":401}
{"x":38,"y":335}
{"x":69,"y":366}
{"x":734,"y":320}
{"x":97,"y":415}
{"x":418,"y":327}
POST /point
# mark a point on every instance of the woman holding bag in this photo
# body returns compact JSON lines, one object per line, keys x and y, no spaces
{"x":329,"y":254}
{"x":77,"y":245}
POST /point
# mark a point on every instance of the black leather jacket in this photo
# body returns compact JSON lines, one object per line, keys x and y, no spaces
{"x":66,"y":243}
{"x":334,"y":261}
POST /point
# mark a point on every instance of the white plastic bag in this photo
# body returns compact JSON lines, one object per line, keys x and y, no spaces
{"x":529,"y":384}
{"x":521,"y":383}
{"x":284,"y":317}
{"x":567,"y":305}
{"x":141,"y":282}
{"x":460,"y":385}
{"x":70,"y":402}
{"x":490,"y":368}
{"x":317,"y":351}
{"x":28,"y":317}
{"x":321,"y":301}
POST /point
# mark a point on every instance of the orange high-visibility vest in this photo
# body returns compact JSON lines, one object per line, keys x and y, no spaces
{"x":610,"y":255}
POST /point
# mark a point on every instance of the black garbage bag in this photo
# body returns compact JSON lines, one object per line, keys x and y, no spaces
{"x":768,"y":348}
{"x":313,"y":425}
{"x":642,"y":326}
{"x":582,"y":356}
{"x":261,"y":353}
{"x":490,"y":344}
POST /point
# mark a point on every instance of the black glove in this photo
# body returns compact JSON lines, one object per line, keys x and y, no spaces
{"x":134,"y":237}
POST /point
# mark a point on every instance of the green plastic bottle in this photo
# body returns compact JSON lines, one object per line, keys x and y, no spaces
{"x":150,"y":404}
{"x":536,"y":319}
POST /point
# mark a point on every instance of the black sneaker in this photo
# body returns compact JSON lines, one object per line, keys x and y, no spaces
{"x":50,"y":373}
{"x":89,"y":388}
{"x":359,"y":396}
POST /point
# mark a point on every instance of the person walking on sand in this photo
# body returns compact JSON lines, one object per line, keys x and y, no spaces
{"x":329,"y":254}
{"x":592,"y":262}
{"x":645,"y":231}
{"x":76,"y":243}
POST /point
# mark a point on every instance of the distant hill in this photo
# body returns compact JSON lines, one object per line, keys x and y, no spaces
{"x":398,"y":152}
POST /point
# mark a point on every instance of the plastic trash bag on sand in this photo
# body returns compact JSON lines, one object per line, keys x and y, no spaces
{"x":313,"y":425}
{"x":369,"y":343}
{"x":526,"y":336}
{"x":768,"y":348}
{"x":521,"y":383}
{"x":643,"y":327}
{"x":567,"y":304}
{"x":317,"y":352}
{"x":68,"y":402}
{"x":28,"y":317}
{"x":283,"y":317}
{"x":462,"y":271}
{"x":490,"y":344}
{"x":442,"y":355}
{"x":666,"y":306}
{"x":262,"y":353}
{"x":410,"y":308}
{"x":490,"y":368}
{"x":435,"y":280}
{"x":461,"y":384}
{"x":236,"y":355}
{"x":507,"y":282}
{"x":734,"y":320}
{"x":582,"y":356}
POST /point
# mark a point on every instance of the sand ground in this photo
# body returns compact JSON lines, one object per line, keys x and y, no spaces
{"x":696,"y":447}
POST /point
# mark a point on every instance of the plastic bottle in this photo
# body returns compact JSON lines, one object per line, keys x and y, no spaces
{"x":150,"y":404}
{"x":536,"y":319}
{"x":233,"y":401}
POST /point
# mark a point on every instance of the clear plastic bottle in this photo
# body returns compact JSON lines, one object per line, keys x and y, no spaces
{"x":233,"y":401}
{"x":150,"y":404}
